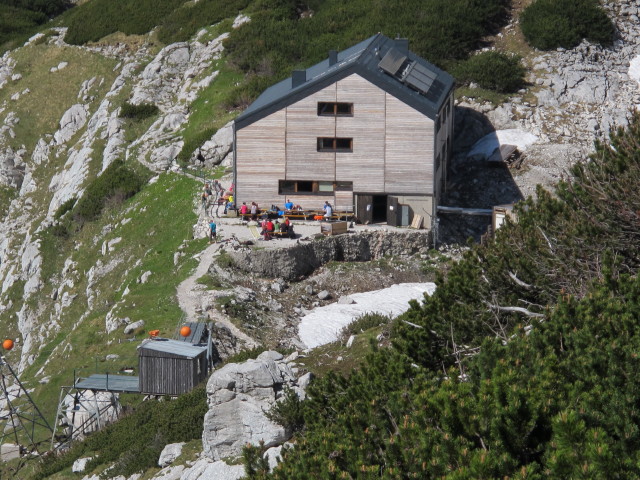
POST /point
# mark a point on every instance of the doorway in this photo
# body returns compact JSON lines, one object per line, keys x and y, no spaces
{"x":379,"y":213}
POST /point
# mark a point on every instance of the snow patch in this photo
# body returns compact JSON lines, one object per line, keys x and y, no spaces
{"x":323,"y":324}
{"x":484,"y":147}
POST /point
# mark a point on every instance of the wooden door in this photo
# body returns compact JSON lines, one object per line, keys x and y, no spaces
{"x":364,"y":208}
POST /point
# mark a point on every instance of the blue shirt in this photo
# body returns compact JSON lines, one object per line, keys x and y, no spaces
{"x":288,"y":205}
{"x":212,"y":227}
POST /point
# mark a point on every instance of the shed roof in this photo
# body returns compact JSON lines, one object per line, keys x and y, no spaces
{"x":384,"y":62}
{"x":173,"y":347}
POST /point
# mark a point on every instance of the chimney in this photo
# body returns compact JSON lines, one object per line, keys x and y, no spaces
{"x":402,"y":44}
{"x":298,"y":78}
{"x":333,"y":57}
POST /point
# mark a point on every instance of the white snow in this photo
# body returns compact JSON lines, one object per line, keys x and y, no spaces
{"x":324,"y":324}
{"x":634,"y":69}
{"x":487,"y":145}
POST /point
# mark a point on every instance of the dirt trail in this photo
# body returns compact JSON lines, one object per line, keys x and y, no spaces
{"x":189,"y":294}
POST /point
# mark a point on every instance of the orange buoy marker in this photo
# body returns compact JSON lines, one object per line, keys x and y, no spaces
{"x":154,"y":333}
{"x":7,"y":344}
{"x":185,"y":331}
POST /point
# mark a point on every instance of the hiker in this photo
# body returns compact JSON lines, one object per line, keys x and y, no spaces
{"x":254,"y":211}
{"x":244,"y":208}
{"x":328,"y":211}
{"x":289,"y":205}
{"x":212,"y":231}
{"x":218,"y":188}
{"x":207,"y":189}
{"x":276,"y":226}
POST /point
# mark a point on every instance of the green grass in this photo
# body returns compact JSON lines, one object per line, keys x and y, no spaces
{"x":481,"y":94}
{"x":34,"y":63}
{"x":161,"y":220}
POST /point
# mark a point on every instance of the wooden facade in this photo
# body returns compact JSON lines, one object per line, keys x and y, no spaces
{"x":169,"y":369}
{"x":390,"y":148}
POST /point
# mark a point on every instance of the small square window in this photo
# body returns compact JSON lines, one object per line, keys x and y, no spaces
{"x":325,"y":186}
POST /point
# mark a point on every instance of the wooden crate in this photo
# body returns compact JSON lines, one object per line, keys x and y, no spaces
{"x":333,"y":228}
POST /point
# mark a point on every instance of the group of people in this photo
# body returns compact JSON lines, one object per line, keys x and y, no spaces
{"x":269,"y":227}
{"x":252,"y":210}
{"x":211,"y":192}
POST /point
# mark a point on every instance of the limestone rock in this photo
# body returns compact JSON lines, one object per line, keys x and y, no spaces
{"x":215,"y":151}
{"x":80,"y":464}
{"x":324,"y":295}
{"x":133,"y":326}
{"x":238,"y":396}
{"x":170,"y":453}
{"x":72,"y":120}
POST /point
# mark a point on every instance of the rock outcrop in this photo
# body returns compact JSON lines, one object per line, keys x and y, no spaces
{"x":238,"y":395}
{"x":299,"y":261}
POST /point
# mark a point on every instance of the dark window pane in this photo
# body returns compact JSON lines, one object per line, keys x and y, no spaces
{"x":306,"y":187}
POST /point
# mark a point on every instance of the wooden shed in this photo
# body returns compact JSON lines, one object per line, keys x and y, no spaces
{"x":369,"y":129}
{"x":170,"y":367}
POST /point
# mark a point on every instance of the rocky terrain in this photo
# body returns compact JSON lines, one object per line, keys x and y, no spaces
{"x":574,"y":97}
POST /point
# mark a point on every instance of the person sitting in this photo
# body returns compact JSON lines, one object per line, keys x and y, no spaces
{"x":254,"y":211}
{"x":276,"y":226}
{"x":289,"y":205}
{"x":244,"y":209}
{"x":268,"y":230}
{"x":290,"y":231}
{"x":284,"y":227}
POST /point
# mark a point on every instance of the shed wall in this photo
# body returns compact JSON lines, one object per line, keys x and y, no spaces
{"x":170,"y":375}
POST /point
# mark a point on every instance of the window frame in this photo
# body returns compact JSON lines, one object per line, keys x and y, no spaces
{"x":332,"y":109}
{"x":336,"y":186}
{"x":334,"y":144}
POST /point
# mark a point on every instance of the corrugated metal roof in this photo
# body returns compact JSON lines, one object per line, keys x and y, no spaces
{"x":174,"y":347}
{"x":364,"y":59}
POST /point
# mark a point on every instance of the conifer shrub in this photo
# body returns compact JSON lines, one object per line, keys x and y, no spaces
{"x":117,"y":181}
{"x":549,"y":24}
{"x":93,"y":20}
{"x":133,"y":444}
{"x":138,"y":112}
{"x":185,"y":21}
{"x":65,"y":207}
{"x":493,"y":71}
{"x":193,"y":143}
{"x":287,"y":411}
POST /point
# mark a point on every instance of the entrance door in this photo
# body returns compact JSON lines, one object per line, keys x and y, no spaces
{"x":364,"y":208}
{"x":393,"y":211}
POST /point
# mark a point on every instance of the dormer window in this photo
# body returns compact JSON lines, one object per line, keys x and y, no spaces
{"x":335,"y":109}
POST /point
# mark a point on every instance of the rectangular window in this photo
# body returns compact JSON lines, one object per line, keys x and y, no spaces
{"x":305,"y":187}
{"x":328,"y":144}
{"x":325,"y":186}
{"x":335,"y":109}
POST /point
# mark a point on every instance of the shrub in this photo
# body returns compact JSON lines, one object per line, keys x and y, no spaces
{"x":288,"y":411}
{"x":65,"y":207}
{"x":364,"y":323}
{"x":184,"y":22}
{"x":193,"y":143}
{"x":98,"y":18}
{"x":138,"y":112}
{"x":549,"y":24}
{"x":116,"y":181}
{"x":493,"y":71}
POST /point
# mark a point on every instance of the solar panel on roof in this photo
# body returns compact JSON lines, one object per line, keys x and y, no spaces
{"x":420,"y":78}
{"x":435,"y":91}
{"x":392,"y":61}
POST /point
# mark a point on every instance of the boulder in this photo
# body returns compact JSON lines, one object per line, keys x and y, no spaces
{"x":80,"y":464}
{"x":133,"y":326}
{"x":72,"y":120}
{"x":324,"y":295}
{"x":170,"y":453}
{"x":238,"y":395}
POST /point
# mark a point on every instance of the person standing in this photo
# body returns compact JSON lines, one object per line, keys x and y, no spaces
{"x":212,"y":231}
{"x":328,"y":211}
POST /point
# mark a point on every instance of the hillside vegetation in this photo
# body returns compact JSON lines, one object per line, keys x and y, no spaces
{"x":519,"y":366}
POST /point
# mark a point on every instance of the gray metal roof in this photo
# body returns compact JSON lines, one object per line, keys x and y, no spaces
{"x":109,"y":383}
{"x":378,"y":59}
{"x":174,"y":347}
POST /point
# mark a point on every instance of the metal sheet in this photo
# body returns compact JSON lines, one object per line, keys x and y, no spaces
{"x":109,"y":383}
{"x":392,"y":61}
{"x":174,"y":347}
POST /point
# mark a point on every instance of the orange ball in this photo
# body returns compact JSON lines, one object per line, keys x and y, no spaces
{"x":185,"y":331}
{"x":7,"y":344}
